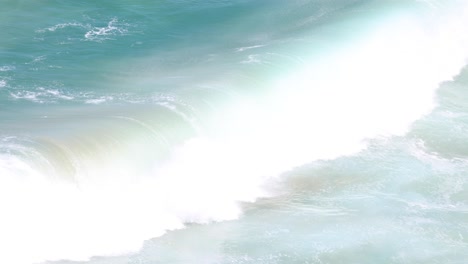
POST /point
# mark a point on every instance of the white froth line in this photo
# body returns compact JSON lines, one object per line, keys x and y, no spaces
{"x":40,"y":95}
{"x":26,"y":95}
{"x":58,"y":94}
{"x":54,"y":92}
{"x":6,"y":68}
{"x":95,"y":32}
{"x":96,"y":101}
{"x":249,"y":47}
{"x":99,"y":100}
{"x":61,"y":26}
{"x":252,"y":59}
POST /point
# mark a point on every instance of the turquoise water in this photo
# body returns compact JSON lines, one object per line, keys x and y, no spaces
{"x":233,"y":131}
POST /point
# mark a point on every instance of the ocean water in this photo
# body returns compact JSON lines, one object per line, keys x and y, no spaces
{"x":234,"y":131}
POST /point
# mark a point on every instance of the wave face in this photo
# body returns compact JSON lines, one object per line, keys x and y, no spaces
{"x":328,"y":130}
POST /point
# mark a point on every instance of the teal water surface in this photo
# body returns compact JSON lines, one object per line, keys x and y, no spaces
{"x":233,"y":131}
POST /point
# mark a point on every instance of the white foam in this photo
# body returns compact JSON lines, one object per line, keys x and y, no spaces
{"x":252,"y":59}
{"x":56,"y":93}
{"x":93,"y":33}
{"x":62,"y":26}
{"x":99,"y":100}
{"x":102,"y":33}
{"x":28,"y":95}
{"x":41,"y":95}
{"x":6,"y":68}
{"x":241,"y":49}
{"x":3,"y":83}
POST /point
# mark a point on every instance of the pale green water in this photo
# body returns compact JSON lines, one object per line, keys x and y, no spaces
{"x":233,"y":132}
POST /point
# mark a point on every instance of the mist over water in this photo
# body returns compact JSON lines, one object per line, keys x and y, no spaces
{"x":233,"y":132}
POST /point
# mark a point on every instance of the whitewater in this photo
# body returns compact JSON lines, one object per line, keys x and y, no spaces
{"x":234,"y":131}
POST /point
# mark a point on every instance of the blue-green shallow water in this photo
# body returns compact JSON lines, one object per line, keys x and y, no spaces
{"x":233,"y":132}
